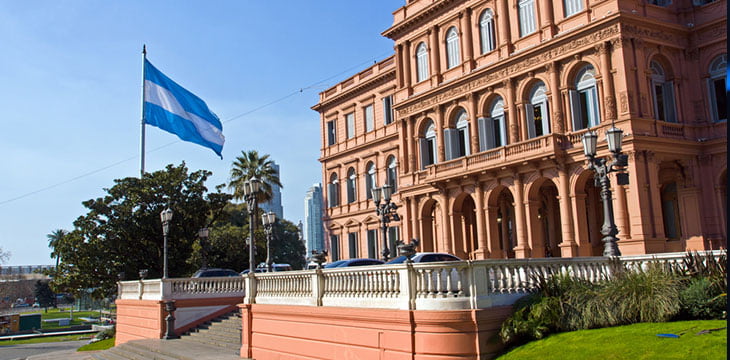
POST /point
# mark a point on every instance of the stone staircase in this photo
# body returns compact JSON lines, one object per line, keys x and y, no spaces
{"x":218,"y":339}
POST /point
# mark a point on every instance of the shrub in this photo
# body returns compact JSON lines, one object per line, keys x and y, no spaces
{"x":701,"y":300}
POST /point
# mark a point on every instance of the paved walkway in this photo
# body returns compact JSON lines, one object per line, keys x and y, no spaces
{"x":45,"y":351}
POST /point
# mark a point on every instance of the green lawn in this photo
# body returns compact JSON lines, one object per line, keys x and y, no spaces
{"x":99,"y":345}
{"x":637,"y":341}
{"x":64,"y":314}
{"x":46,"y":339}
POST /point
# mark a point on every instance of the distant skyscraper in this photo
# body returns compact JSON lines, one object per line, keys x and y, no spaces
{"x":275,"y":203}
{"x":313,"y":231}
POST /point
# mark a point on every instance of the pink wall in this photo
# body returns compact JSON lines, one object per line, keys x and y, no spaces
{"x":302,"y":332}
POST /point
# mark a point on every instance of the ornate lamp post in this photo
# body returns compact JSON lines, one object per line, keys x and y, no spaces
{"x":203,"y":235}
{"x":165,"y":217}
{"x":268,"y":220}
{"x":603,"y":167}
{"x":386,"y":212}
{"x":250,"y":191}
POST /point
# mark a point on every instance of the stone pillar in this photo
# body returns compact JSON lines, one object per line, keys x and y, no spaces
{"x":435,"y":58}
{"x":410,"y":164}
{"x":512,"y":115}
{"x":473,"y":126}
{"x":482,"y":252}
{"x":440,"y":123}
{"x":556,"y":103}
{"x":609,"y":97}
{"x":503,"y":34}
{"x":415,"y":232}
{"x":580,"y":225}
{"x":522,"y":250}
{"x":621,"y":212}
{"x":492,"y":227}
{"x":467,"y":44}
{"x":568,"y":247}
{"x":446,"y":214}
{"x":534,"y":230}
{"x":407,"y":61}
{"x":547,"y":25}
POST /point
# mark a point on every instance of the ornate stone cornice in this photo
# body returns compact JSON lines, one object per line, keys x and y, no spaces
{"x":423,"y":15}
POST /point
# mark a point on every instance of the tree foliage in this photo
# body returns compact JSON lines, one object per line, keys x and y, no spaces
{"x":44,"y":295}
{"x":250,"y":165}
{"x":122,"y":232}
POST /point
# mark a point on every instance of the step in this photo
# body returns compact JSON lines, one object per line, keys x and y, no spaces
{"x":218,"y":338}
{"x":234,"y":347}
{"x":146,"y":352}
{"x":218,"y":331}
{"x":108,"y":355}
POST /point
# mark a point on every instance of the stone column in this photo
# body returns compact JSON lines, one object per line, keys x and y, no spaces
{"x":467,"y":44}
{"x":609,"y":97}
{"x":446,"y":213}
{"x":503,"y":34}
{"x":440,"y":133}
{"x":512,"y":115}
{"x":547,"y":25}
{"x":483,"y":251}
{"x":415,"y":232}
{"x":621,"y":212}
{"x":522,"y":250}
{"x":435,"y":58}
{"x":568,"y":247}
{"x":473,"y":126}
{"x":407,"y":66}
{"x":410,"y":164}
{"x":556,"y":103}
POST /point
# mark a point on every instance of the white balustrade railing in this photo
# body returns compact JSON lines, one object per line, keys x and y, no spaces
{"x":429,"y":286}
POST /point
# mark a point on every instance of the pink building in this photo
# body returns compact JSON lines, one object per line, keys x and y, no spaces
{"x":476,"y":120}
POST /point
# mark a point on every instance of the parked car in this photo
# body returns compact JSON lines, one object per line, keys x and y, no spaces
{"x":274,"y":267}
{"x":214,"y":272}
{"x":353,"y":262}
{"x":424,"y":257}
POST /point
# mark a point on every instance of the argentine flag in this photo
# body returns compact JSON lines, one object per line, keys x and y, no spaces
{"x":170,"y":107}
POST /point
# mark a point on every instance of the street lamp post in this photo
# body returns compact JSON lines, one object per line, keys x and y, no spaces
{"x":250,"y":192}
{"x":165,"y":217}
{"x":268,"y":220}
{"x":203,"y":235}
{"x":387,"y":213}
{"x":602,"y":168}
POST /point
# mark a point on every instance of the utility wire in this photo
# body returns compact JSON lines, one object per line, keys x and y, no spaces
{"x":236,"y":117}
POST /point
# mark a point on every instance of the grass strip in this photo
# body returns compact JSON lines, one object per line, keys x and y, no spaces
{"x":99,"y":345}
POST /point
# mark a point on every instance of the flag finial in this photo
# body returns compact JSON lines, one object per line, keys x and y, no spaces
{"x":144,"y":49}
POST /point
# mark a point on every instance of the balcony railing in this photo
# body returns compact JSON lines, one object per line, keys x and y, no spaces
{"x":430,"y":286}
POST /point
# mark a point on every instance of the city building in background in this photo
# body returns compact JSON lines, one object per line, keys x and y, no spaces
{"x":274,"y":205}
{"x":313,"y":231}
{"x":476,"y":122}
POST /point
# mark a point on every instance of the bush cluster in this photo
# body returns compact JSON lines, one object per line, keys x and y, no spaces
{"x":656,"y":293}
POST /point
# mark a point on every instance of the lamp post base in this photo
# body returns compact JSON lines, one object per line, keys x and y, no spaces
{"x":610,"y":248}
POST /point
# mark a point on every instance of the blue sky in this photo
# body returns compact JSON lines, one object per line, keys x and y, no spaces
{"x":70,"y":94}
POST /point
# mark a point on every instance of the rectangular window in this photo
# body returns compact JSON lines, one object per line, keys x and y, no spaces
{"x":350,"y":120}
{"x":388,"y":109}
{"x":335,"y":247}
{"x":352,"y":245}
{"x":373,"y":244}
{"x":572,"y":6}
{"x":331,"y":138}
{"x":720,"y":99}
{"x":527,"y":17}
{"x":369,"y":122}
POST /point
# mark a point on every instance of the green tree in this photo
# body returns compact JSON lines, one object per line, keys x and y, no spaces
{"x":250,"y":165}
{"x":54,"y":239}
{"x":44,"y":295}
{"x":122,"y":232}
{"x":287,"y":247}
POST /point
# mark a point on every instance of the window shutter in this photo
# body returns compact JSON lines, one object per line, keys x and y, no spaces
{"x":489,"y":133}
{"x":575,"y":110}
{"x":330,"y":195}
{"x":467,"y":140}
{"x":482,"y":130}
{"x":423,"y":147}
{"x":594,"y":107}
{"x":451,"y":143}
{"x":503,"y":129}
{"x":669,"y":111}
{"x":530,"y":118}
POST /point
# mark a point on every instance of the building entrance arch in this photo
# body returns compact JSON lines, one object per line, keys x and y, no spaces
{"x":544,"y":218}
{"x":502,"y":234}
{"x":464,"y":224}
{"x":431,"y":215}
{"x":589,"y":215}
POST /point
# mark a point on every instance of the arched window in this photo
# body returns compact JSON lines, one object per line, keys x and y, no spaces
{"x":392,"y":174}
{"x":537,"y":115}
{"x":492,"y":132}
{"x":453,"y":57}
{"x":421,"y":62}
{"x":427,"y":145}
{"x":486,"y":31}
{"x":457,"y":140}
{"x":333,"y":193}
{"x":584,"y":100}
{"x":370,"y":180}
{"x":527,"y":17}
{"x":572,"y":6}
{"x":351,"y":185}
{"x":662,"y":94}
{"x":718,"y":92}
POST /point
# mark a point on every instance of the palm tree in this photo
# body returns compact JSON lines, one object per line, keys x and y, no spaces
{"x":250,"y":165}
{"x":54,"y":242}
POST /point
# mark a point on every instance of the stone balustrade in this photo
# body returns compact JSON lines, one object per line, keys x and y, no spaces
{"x":430,"y":286}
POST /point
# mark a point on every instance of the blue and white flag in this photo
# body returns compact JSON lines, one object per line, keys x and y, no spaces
{"x":170,"y":107}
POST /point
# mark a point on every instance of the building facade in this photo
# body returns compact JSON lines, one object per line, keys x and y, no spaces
{"x":476,"y":121}
{"x":274,"y":205}
{"x":313,"y":231}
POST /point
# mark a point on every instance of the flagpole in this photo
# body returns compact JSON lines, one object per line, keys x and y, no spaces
{"x":144,"y":58}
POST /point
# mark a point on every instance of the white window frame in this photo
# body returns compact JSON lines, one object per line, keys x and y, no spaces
{"x":526,"y":9}
{"x":371,"y":181}
{"x":572,"y":7}
{"x":391,"y":173}
{"x":666,"y":109}
{"x":333,"y":191}
{"x":369,"y":118}
{"x":350,"y":121}
{"x":421,"y":62}
{"x":453,"y":55}
{"x":585,"y":87}
{"x":538,"y":99}
{"x":428,"y":142}
{"x":492,"y":133}
{"x":486,"y":31}
{"x":718,"y":71}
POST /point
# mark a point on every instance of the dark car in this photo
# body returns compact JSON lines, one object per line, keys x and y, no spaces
{"x":204,"y":273}
{"x":353,"y":262}
{"x":425,"y":257}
